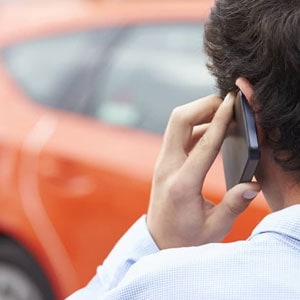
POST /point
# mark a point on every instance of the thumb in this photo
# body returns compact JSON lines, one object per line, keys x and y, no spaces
{"x":235,"y":201}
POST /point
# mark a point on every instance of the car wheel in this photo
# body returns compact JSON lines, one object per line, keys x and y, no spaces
{"x":20,"y":276}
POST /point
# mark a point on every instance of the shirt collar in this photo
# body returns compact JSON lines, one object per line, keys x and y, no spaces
{"x":285,"y":222}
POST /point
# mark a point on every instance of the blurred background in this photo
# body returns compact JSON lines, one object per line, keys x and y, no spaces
{"x":86,"y":89}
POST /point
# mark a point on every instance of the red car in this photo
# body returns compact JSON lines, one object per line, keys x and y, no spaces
{"x":86,"y":89}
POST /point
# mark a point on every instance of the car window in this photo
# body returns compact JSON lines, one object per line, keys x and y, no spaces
{"x":153,"y":69}
{"x":130,"y":76}
{"x":46,"y":68}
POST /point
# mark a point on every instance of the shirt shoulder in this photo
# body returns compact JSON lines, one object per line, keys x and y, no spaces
{"x":216,"y":271}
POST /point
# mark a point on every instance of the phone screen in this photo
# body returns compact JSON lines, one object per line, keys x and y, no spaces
{"x":240,"y":151}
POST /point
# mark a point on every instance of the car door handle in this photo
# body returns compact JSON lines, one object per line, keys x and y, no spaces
{"x":66,"y":176}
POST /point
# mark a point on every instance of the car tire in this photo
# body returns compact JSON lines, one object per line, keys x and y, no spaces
{"x":21,"y":278}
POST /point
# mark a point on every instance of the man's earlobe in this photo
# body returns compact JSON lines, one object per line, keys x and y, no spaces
{"x":245,"y":87}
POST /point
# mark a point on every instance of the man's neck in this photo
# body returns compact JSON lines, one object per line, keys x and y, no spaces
{"x":279,"y":187}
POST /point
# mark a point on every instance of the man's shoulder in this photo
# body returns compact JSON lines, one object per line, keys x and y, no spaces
{"x":191,"y":258}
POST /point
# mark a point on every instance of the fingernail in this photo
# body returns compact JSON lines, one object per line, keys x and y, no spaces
{"x":250,"y":194}
{"x":227,"y":98}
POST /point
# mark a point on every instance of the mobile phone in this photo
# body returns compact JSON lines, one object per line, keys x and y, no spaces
{"x":240,"y":150}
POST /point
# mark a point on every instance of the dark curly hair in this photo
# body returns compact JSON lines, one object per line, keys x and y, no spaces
{"x":260,"y":41}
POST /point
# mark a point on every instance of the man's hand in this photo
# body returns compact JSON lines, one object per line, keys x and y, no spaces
{"x":178,"y":214}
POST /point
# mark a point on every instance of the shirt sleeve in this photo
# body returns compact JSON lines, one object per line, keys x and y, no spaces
{"x":136,"y":243}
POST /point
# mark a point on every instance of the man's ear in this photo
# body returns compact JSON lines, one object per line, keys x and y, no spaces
{"x":245,"y":87}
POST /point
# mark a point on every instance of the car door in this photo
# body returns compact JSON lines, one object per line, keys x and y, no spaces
{"x":95,"y":171}
{"x":79,"y":175}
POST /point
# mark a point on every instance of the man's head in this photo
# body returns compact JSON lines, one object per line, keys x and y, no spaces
{"x":260,"y":40}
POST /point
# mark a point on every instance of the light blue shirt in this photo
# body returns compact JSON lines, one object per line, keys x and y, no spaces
{"x":266,"y":266}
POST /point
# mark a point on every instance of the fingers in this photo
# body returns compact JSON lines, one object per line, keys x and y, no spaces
{"x":182,"y":121}
{"x":206,"y":150}
{"x":198,"y":132}
{"x":233,"y":204}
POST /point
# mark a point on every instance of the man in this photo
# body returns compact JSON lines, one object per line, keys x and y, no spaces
{"x":175,"y":252}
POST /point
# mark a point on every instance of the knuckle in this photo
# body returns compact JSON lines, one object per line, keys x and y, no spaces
{"x":174,"y":190}
{"x":178,"y":115}
{"x":206,"y":143}
{"x":179,"y":187}
{"x":163,"y":171}
{"x":235,"y":209}
{"x":160,"y":174}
